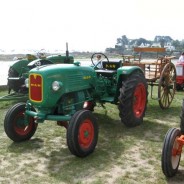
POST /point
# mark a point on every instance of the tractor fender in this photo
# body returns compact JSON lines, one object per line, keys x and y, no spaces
{"x":127,"y":70}
{"x":122,"y":74}
{"x":39,"y":62}
{"x":19,"y":65}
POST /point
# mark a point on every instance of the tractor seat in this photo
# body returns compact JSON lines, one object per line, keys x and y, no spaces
{"x":109,"y":68}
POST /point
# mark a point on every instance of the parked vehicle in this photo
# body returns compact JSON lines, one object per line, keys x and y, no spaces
{"x":172,"y":148}
{"x":68,"y":93}
{"x":160,"y":73}
{"x":18,"y":72}
{"x":179,"y":76}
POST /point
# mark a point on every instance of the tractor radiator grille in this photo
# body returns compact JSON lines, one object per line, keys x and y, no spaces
{"x":35,"y":88}
{"x":74,"y":81}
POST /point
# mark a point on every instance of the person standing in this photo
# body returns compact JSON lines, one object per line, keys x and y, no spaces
{"x":181,"y":58}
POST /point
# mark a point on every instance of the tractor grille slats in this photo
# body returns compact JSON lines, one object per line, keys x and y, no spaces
{"x":35,"y":88}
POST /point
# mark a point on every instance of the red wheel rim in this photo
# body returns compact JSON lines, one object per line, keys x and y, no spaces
{"x":175,"y":156}
{"x":19,"y":124}
{"x":86,"y":134}
{"x":139,"y":100}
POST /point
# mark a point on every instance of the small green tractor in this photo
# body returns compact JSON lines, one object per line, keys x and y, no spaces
{"x":172,"y":148}
{"x":18,"y":71}
{"x":67,"y":93}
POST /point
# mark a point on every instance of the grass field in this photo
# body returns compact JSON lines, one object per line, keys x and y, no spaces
{"x":123,"y":155}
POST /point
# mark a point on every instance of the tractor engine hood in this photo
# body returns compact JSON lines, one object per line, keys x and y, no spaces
{"x":48,"y":83}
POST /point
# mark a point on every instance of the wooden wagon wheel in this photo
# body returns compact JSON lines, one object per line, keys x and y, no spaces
{"x":167,"y":85}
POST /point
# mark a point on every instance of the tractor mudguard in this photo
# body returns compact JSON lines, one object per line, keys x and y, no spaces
{"x":20,"y":65}
{"x":122,"y":74}
{"x":127,"y":70}
{"x":38,"y":62}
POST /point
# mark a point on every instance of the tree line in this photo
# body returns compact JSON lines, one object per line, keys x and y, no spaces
{"x":123,"y":43}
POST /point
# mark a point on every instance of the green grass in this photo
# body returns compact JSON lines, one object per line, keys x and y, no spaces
{"x":123,"y":155}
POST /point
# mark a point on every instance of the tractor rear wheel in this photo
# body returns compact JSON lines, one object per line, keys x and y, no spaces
{"x":170,"y":156}
{"x":133,"y":99}
{"x":14,"y":124}
{"x":82,"y":133}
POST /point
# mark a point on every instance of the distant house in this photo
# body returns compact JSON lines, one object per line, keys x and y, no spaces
{"x":156,"y":45}
{"x":144,"y":45}
{"x":169,"y":47}
{"x":164,"y":41}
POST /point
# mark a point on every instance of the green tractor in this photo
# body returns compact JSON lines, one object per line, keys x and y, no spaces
{"x":68,"y":93}
{"x":18,"y":71}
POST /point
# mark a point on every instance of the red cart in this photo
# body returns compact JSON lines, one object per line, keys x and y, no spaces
{"x":179,"y":76}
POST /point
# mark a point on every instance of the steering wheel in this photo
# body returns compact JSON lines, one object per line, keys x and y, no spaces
{"x":41,"y":54}
{"x":98,"y":58}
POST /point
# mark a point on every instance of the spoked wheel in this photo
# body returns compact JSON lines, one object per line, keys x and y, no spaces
{"x":133,"y":99}
{"x":98,"y":58}
{"x":82,"y":133}
{"x":167,"y":85}
{"x":171,"y":152}
{"x":14,"y":124}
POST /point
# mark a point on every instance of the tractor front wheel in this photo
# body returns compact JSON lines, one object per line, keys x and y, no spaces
{"x":133,"y":99}
{"x":182,"y":118}
{"x":14,"y":124}
{"x":170,"y":152}
{"x":82,"y":133}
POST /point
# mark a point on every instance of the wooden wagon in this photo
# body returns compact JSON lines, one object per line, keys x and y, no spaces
{"x":160,"y":72}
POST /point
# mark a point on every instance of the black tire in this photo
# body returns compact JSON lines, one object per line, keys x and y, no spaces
{"x":14,"y":125}
{"x":170,"y":162}
{"x":133,"y":99}
{"x":11,"y":83}
{"x":79,"y":144}
{"x":178,"y":87}
{"x":182,"y":118}
{"x":12,"y":72}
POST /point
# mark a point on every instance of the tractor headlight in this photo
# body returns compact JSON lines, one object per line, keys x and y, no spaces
{"x":27,"y":83}
{"x":56,"y":85}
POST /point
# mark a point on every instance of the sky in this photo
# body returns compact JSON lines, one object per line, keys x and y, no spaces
{"x":87,"y":25}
